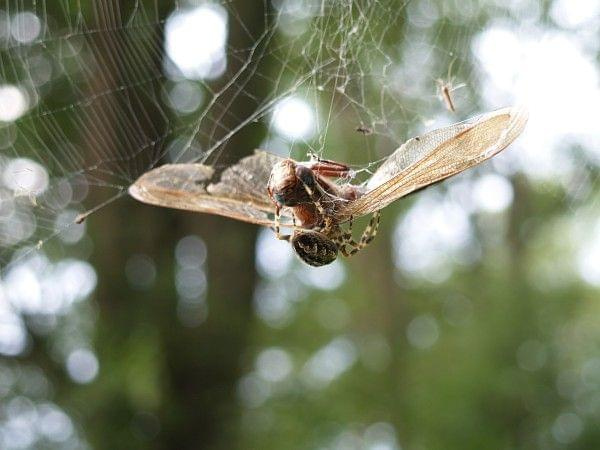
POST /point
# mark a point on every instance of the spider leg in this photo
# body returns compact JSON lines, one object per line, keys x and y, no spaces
{"x":343,"y":239}
{"x":366,"y":238}
{"x":345,"y":252}
{"x":371,"y":230}
{"x":349,"y":247}
{"x":348,"y":233}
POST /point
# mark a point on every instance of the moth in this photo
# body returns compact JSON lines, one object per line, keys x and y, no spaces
{"x":316,"y":200}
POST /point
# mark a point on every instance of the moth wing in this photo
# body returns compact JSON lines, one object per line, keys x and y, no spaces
{"x":239,"y":192}
{"x":437,"y":155}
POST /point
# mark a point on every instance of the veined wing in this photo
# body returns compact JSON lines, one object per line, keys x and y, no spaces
{"x":439,"y":154}
{"x":239,"y":193}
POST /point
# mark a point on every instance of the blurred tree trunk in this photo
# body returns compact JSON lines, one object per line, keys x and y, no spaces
{"x":168,"y":386}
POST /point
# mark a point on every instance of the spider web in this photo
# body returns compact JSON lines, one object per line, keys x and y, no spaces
{"x":102,"y":100}
{"x":94,"y":94}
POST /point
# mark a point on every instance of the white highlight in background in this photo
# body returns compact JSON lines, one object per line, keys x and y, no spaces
{"x":567,"y":427}
{"x":293,"y":118}
{"x":274,"y":257}
{"x":327,"y":278}
{"x":423,"y":332}
{"x":433,"y":234}
{"x":25,"y":176}
{"x":329,"y":362}
{"x":13,"y":103}
{"x":13,"y":337}
{"x":274,"y":364}
{"x":554,"y":74}
{"x":380,"y":436}
{"x":35,"y":286}
{"x":53,"y":423}
{"x":25,"y":27}
{"x":82,"y":366}
{"x":575,"y":13}
{"x":492,"y":193}
{"x":195,"y":41}
{"x":186,"y":97}
{"x":588,"y":259}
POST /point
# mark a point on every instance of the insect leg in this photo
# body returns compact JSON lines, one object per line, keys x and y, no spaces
{"x":327,"y":167}
{"x":278,"y":235}
{"x":313,"y":198}
{"x":331,"y":169}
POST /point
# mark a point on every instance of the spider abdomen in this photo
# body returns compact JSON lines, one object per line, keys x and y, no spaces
{"x":314,"y":248}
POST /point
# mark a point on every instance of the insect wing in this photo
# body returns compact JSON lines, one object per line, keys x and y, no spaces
{"x":239,"y":192}
{"x":439,"y":154}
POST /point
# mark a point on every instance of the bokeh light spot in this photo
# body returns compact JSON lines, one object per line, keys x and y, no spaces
{"x":294,"y":118}
{"x":25,"y":27}
{"x":25,"y":176}
{"x":567,"y":427}
{"x":14,"y":103}
{"x":492,"y":193}
{"x":82,"y":366}
{"x":423,"y":332}
{"x":274,"y":364}
{"x":195,"y":41}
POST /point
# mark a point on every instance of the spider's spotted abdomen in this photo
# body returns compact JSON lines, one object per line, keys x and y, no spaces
{"x":314,"y":248}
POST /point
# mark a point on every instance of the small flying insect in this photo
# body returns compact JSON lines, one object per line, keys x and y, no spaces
{"x":445,"y":89}
{"x":362,"y":129}
{"x":314,"y":199}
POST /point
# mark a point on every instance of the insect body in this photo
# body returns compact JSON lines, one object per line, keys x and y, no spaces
{"x":315,"y":199}
{"x":364,"y":130}
{"x":305,"y":188}
{"x":445,"y":89}
{"x":445,"y":93}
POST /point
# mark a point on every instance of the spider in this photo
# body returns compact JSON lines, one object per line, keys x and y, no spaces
{"x":314,"y":200}
{"x":276,"y":192}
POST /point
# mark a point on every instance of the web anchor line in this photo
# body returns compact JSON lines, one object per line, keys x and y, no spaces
{"x":83,"y":216}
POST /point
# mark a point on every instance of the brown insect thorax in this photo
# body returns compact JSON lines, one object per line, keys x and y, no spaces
{"x":286,"y":189}
{"x":284,"y":186}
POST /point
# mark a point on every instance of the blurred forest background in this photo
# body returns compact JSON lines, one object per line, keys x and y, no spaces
{"x":473,"y":319}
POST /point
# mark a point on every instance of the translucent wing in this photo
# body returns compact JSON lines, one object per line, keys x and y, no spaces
{"x":240,"y":192}
{"x":436,"y":155}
